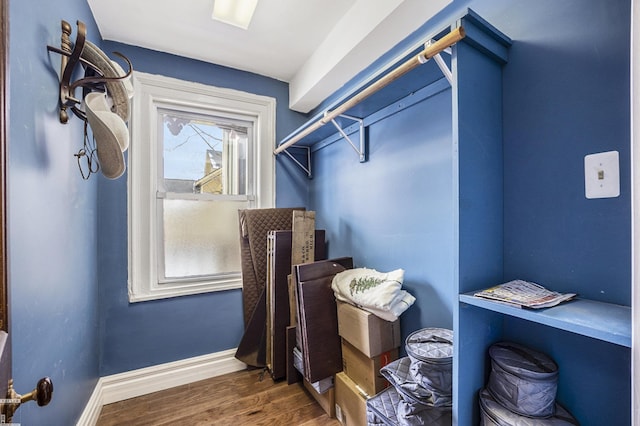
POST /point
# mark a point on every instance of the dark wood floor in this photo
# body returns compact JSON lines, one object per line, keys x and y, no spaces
{"x":239,"y":398}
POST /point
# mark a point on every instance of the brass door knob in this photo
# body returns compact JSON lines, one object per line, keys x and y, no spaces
{"x":42,"y":394}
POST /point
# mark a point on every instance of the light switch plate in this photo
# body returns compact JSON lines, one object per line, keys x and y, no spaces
{"x":602,"y":175}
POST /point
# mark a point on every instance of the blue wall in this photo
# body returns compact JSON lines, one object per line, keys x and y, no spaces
{"x":67,"y":237}
{"x":53,"y":236}
{"x":148,"y":333}
{"x":396,"y":210}
{"x":565,"y":95}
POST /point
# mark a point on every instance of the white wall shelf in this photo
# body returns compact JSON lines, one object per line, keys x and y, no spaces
{"x":604,"y":321}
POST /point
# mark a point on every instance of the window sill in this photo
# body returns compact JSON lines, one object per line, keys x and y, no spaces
{"x":167,"y":291}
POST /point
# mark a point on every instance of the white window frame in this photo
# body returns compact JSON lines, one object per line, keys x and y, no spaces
{"x":152,"y":92}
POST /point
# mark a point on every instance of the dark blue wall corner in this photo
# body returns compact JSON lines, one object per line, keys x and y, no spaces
{"x":396,"y":210}
{"x":567,"y":95}
{"x":52,"y":215}
{"x":136,"y":335}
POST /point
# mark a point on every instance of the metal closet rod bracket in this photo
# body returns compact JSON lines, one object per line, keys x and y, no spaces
{"x":360,"y":150}
{"x":441,"y":63}
{"x":432,"y":50}
{"x":307,"y":168}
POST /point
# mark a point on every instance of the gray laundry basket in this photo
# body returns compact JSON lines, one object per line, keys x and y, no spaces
{"x":410,"y":413}
{"x":522,"y":380}
{"x":381,"y":408}
{"x":389,"y":408}
{"x":431,"y":354}
{"x":494,"y":414}
{"x":413,"y":393}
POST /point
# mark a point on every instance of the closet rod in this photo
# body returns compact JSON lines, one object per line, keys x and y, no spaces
{"x":430,"y":50}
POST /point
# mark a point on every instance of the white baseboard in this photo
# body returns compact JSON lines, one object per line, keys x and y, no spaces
{"x":92,"y":410}
{"x":131,"y":384}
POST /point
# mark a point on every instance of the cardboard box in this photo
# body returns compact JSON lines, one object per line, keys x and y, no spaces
{"x":365,"y":371}
{"x":351,"y":404}
{"x":368,"y":333}
{"x":326,"y":400}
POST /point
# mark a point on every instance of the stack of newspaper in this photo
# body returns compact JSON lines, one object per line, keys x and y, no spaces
{"x":524,"y":294}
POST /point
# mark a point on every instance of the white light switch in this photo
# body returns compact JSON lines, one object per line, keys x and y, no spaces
{"x":602,"y":175}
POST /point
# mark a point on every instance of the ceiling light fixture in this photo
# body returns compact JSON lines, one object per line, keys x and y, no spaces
{"x":234,"y":12}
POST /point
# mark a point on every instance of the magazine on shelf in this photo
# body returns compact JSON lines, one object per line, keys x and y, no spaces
{"x":524,"y":294}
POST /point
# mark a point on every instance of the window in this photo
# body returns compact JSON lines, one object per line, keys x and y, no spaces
{"x":198,"y":155}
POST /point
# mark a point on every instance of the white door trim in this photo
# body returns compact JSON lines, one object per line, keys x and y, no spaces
{"x":635,"y":211}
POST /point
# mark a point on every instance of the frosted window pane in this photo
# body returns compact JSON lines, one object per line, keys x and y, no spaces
{"x":201,"y":237}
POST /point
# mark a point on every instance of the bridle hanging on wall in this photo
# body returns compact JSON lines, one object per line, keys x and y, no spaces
{"x":103,"y":75}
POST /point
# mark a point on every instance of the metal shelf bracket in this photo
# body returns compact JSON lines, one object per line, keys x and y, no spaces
{"x":361,"y":150}
{"x":441,"y":63}
{"x":307,"y":168}
{"x":432,"y":50}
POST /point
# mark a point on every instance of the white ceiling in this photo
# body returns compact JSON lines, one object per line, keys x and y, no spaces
{"x":314,"y":45}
